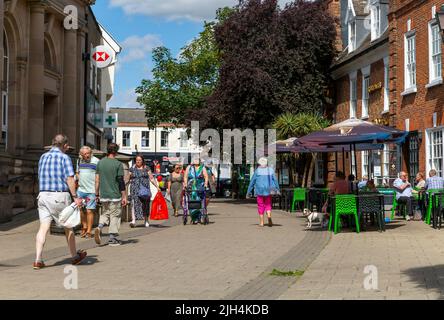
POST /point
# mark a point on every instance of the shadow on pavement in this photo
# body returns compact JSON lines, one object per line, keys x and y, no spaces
{"x":430,"y":278}
{"x":130,"y":241}
{"x":89,"y":260}
{"x":20,"y":220}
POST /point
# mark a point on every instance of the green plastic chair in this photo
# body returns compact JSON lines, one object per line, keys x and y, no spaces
{"x":345,"y":204}
{"x":299,"y":195}
{"x":429,"y":205}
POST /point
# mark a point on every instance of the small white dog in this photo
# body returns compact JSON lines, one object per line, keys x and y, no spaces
{"x":311,"y":216}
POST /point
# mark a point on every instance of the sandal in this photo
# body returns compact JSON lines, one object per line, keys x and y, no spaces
{"x":83,"y":234}
{"x":89,"y":235}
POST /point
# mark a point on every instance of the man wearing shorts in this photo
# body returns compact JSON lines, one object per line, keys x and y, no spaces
{"x":111,"y":192}
{"x":57,"y":190}
{"x":86,"y":174}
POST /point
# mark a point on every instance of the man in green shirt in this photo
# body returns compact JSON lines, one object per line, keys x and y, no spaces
{"x":111,"y":192}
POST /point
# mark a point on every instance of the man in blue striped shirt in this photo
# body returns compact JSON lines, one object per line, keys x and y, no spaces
{"x":57,"y":190}
{"x":434,"y":182}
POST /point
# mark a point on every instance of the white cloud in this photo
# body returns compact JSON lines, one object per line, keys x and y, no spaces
{"x":124,"y":99}
{"x":195,"y":10}
{"x":138,"y":47}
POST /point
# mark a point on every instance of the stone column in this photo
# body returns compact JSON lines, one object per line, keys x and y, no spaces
{"x":36,"y":74}
{"x":70,"y":108}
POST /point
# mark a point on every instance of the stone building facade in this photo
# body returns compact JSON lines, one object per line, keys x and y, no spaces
{"x":47,"y":84}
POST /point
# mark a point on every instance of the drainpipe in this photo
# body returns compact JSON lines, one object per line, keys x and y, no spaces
{"x":86,"y":58}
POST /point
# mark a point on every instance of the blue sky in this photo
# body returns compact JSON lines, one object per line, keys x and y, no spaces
{"x":141,"y":25}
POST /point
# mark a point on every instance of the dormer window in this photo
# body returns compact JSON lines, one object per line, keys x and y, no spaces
{"x":376,"y":21}
{"x":352,"y":36}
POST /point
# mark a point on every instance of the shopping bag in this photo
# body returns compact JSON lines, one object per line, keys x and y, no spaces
{"x":159,"y":208}
{"x":70,"y":216}
{"x":168,"y":197}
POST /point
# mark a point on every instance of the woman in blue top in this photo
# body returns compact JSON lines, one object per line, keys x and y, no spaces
{"x":265,"y":185}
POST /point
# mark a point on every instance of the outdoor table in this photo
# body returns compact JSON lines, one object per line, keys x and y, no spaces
{"x":359,"y":199}
{"x":286,"y":196}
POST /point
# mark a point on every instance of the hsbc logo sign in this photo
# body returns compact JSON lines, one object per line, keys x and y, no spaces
{"x":102,"y":56}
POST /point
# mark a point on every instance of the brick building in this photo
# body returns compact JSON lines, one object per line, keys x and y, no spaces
{"x":417,"y":85}
{"x":361,"y":81}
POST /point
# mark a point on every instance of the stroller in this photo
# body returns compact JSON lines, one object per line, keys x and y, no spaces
{"x":194,"y":206}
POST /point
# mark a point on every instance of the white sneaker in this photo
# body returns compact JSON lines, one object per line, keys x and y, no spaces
{"x":407,"y":217}
{"x":147,"y":224}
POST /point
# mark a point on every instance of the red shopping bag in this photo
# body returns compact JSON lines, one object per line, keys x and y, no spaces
{"x":159,"y":208}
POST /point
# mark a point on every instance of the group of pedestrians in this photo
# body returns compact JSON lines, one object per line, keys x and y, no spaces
{"x":98,"y":182}
{"x":102,"y":182}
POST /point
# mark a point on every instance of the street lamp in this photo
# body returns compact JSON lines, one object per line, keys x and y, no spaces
{"x":440,"y":18}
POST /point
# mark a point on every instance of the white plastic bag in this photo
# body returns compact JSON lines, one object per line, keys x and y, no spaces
{"x":167,"y":197}
{"x":70,"y":216}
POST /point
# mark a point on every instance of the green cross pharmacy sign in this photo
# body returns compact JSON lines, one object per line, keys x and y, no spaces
{"x":110,"y":120}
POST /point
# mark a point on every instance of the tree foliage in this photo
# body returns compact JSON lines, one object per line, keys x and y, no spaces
{"x":273,"y":61}
{"x":289,"y":125}
{"x":180,"y":85}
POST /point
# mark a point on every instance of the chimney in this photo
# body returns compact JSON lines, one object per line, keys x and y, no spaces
{"x":335,"y":10}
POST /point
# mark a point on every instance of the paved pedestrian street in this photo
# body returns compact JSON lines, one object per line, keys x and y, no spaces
{"x":232,"y":258}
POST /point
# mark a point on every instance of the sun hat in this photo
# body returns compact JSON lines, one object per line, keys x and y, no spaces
{"x":263,"y":162}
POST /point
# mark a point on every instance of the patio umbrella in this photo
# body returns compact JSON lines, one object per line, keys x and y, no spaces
{"x":351,"y":135}
{"x":353,"y":131}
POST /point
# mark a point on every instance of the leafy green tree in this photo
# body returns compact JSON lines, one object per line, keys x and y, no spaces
{"x":273,"y":61}
{"x":181,"y":84}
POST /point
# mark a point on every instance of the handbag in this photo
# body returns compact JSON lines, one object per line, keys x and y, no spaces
{"x":144,"y":191}
{"x":159,"y":208}
{"x":272,"y":190}
{"x":70,"y":216}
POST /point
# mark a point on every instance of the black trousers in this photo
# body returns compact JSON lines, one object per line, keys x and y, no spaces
{"x":145,"y":206}
{"x":407,"y":201}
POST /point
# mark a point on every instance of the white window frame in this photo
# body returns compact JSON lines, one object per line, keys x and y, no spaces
{"x":386,"y":107}
{"x":365,"y":95}
{"x":409,"y":63}
{"x":353,"y":95}
{"x":386,"y":164}
{"x":375,"y":21}
{"x":183,"y":140}
{"x":145,"y":140}
{"x":435,"y":54}
{"x":365,"y":164}
{"x":351,"y":35}
{"x":128,"y":139}
{"x":354,"y":169}
{"x":435,"y":154}
{"x":167,"y":139}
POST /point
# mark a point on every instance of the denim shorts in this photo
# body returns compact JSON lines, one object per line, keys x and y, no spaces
{"x":90,"y":199}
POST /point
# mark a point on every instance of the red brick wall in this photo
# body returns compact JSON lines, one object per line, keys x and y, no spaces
{"x":418,"y":107}
{"x":342,"y":106}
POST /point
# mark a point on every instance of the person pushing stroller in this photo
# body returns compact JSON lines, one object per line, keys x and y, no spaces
{"x":196,"y":182}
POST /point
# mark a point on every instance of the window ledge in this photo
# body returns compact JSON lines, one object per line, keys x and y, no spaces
{"x":436,"y":82}
{"x":364,"y":117}
{"x":409,"y":91}
{"x":385,"y":111}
